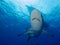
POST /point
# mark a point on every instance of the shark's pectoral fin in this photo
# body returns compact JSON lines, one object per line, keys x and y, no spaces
{"x":25,"y":32}
{"x":21,"y":34}
{"x":48,"y":33}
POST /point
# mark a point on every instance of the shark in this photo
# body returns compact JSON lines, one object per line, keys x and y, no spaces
{"x":36,"y":21}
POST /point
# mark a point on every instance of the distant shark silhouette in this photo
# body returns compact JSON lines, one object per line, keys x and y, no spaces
{"x":36,"y":29}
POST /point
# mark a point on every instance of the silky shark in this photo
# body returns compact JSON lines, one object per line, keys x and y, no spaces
{"x":36,"y":22}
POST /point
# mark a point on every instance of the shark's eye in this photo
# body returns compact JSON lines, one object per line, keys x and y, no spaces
{"x":35,"y":19}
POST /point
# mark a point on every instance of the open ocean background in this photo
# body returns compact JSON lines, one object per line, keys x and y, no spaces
{"x":15,"y":18}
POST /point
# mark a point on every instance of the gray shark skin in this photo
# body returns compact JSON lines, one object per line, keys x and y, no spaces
{"x":36,"y":25}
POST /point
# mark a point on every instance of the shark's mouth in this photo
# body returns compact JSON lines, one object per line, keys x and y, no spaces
{"x":35,"y":19}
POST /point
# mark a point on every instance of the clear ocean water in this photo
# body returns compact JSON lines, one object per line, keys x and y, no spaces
{"x":15,"y":18}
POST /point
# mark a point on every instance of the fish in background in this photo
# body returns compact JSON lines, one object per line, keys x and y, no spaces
{"x":37,"y":24}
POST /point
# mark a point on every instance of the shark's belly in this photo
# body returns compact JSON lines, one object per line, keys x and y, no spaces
{"x":36,"y":25}
{"x":34,"y":33}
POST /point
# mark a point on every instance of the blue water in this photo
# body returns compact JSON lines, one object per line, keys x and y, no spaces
{"x":15,"y":18}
